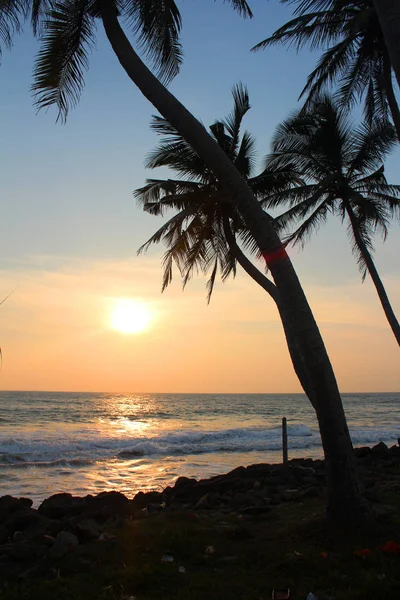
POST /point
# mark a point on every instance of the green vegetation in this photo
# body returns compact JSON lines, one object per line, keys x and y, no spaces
{"x":355,"y":54}
{"x":342,"y":173}
{"x":288,"y":547}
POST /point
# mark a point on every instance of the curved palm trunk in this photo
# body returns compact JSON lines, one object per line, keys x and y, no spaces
{"x":271,"y":289}
{"x":383,"y":297}
{"x":392,"y":101}
{"x":388,"y":12}
{"x":345,"y":500}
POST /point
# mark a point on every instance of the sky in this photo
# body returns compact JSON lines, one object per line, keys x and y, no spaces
{"x":70,"y":230}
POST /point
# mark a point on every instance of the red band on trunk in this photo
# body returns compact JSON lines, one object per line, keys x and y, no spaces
{"x":272,"y":256}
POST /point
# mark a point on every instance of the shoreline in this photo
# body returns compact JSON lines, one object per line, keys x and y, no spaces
{"x":66,"y":533}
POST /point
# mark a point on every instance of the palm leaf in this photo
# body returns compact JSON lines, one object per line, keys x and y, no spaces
{"x":12,"y":13}
{"x":63,"y":57}
{"x":157,"y":25}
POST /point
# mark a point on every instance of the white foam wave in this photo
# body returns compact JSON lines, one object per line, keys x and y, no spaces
{"x":78,"y":449}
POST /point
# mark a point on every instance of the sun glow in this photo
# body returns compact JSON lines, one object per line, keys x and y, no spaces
{"x":130,"y":316}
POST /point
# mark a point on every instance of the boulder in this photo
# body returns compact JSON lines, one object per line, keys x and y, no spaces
{"x":62,"y":505}
{"x":362,"y":452}
{"x":22,"y":551}
{"x":380,"y":451}
{"x":88,"y":530}
{"x":255,"y":510}
{"x":3,"y":534}
{"x":8,"y":505}
{"x":65,"y":543}
{"x":182,"y":482}
{"x":24,"y":519}
{"x":209,"y":500}
{"x":142,"y":499}
{"x":395,"y":451}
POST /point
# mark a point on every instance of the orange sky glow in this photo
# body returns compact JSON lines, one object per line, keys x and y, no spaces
{"x":57,"y":332}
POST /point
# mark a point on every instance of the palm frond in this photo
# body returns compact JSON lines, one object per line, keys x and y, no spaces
{"x":63,"y":56}
{"x":211,"y":282}
{"x":39,"y":8}
{"x":157,"y":25}
{"x":242,"y":7}
{"x":315,"y":29}
{"x":310,"y":225}
{"x":165,"y":194}
{"x":370,"y":145}
{"x":233,"y":122}
{"x":12,"y":14}
{"x":246,"y":159}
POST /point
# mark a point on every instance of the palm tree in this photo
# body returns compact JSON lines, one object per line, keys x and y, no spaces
{"x":357,"y":55}
{"x":67,"y":33}
{"x":203,"y":235}
{"x":343,"y":176}
{"x":389,"y":19}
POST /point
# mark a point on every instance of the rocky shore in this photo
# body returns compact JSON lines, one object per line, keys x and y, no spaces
{"x":34,"y":542}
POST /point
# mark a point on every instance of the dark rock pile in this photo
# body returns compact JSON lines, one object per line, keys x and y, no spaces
{"x":33,"y":541}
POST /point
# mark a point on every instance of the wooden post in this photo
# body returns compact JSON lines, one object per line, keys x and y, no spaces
{"x":284,"y":441}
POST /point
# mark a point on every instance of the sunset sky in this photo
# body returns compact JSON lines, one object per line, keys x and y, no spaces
{"x":70,"y":229}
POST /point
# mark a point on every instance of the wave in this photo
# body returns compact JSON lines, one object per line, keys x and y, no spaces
{"x":76,"y":451}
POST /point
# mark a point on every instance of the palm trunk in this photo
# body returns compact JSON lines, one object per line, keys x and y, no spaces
{"x":271,"y":289}
{"x":383,"y":297}
{"x":392,"y":101}
{"x":388,"y":12}
{"x":345,"y":500}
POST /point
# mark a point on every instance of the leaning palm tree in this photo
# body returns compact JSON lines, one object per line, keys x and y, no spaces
{"x":207,"y":233}
{"x":201,"y":200}
{"x":343,"y":176}
{"x":355,"y":55}
{"x":389,"y":19}
{"x":66,"y":29}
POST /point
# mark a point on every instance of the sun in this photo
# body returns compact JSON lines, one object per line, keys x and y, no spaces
{"x":130,"y":316}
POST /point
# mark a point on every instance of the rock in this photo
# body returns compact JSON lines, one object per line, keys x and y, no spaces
{"x":275,"y":481}
{"x":62,"y":505}
{"x":209,"y":500}
{"x":3,"y":534}
{"x":312,"y":492}
{"x":113,"y":502}
{"x":255,"y":510}
{"x":291,"y":495}
{"x":22,"y":551}
{"x":26,"y":502}
{"x":362,"y":452}
{"x":395,"y":451}
{"x":257,"y":485}
{"x":24,"y":519}
{"x":302,"y":472}
{"x":142,"y":499}
{"x":88,"y":530}
{"x":65,"y":542}
{"x":182,"y":482}
{"x":40,"y":570}
{"x":8,"y":505}
{"x":380,"y":451}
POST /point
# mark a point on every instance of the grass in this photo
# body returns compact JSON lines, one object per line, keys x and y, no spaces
{"x":288,"y":547}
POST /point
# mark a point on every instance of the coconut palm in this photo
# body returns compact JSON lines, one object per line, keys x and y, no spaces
{"x":343,"y":175}
{"x":389,"y":19}
{"x":200,"y":199}
{"x":355,"y":54}
{"x":207,"y":232}
{"x":67,"y":34}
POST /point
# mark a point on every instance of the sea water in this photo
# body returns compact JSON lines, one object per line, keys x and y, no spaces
{"x":90,"y":442}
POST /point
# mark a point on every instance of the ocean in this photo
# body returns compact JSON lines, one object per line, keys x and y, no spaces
{"x":87,"y":443}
